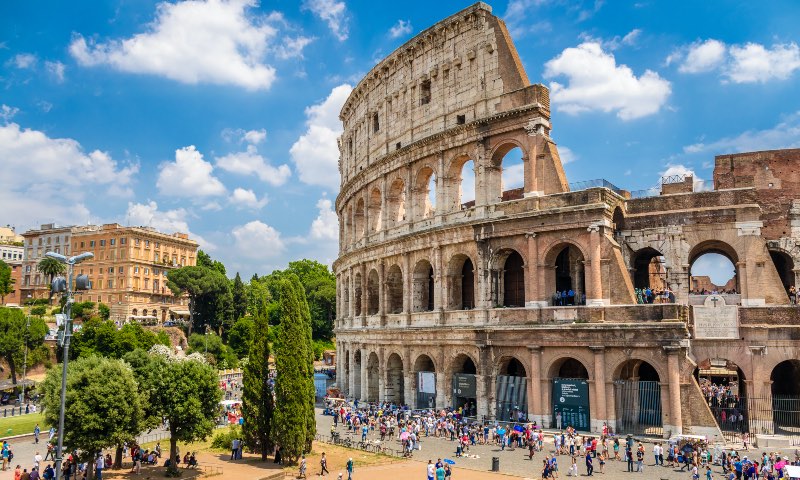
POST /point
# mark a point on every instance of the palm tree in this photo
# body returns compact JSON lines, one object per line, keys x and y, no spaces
{"x":51,"y":267}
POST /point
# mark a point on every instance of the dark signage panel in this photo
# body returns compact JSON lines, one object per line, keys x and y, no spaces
{"x":571,"y":399}
{"x":464,"y":385}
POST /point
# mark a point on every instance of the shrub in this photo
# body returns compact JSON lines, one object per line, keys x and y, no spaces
{"x":55,"y":311}
{"x":223,"y":439}
{"x":39,"y":310}
{"x":36,"y":301}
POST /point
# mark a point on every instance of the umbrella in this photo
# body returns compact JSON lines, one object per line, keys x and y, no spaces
{"x":404,"y":436}
{"x":449,"y":462}
{"x":518,"y":428}
{"x":501,"y":431}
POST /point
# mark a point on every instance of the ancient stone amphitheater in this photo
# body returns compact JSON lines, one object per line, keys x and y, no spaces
{"x":446,"y":291}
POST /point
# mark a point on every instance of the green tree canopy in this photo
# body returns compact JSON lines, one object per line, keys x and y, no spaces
{"x":239,"y":298}
{"x":102,"y":337}
{"x":6,"y":282}
{"x":103,"y":407}
{"x":207,"y":289}
{"x":204,"y":260}
{"x":221,"y":355}
{"x":240,"y":336}
{"x":15,"y":334}
{"x":319,"y":285}
{"x":258,"y":403}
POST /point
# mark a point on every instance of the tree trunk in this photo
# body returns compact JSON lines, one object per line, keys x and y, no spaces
{"x":90,"y":466}
{"x":13,"y":368}
{"x":172,"y":471}
{"x":118,"y":458}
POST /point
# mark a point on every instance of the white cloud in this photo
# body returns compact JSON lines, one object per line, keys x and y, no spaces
{"x":684,"y":171}
{"x":326,"y":225}
{"x":513,"y":176}
{"x":257,"y":240}
{"x":596,"y":82}
{"x":629,"y":39}
{"x":188,"y":176}
{"x":703,"y":56}
{"x":292,"y":47}
{"x":748,"y":63}
{"x":400,"y":29}
{"x":755,"y":63}
{"x":48,"y":179}
{"x":7,"y":113}
{"x":195,"y":41}
{"x":333,"y":13}
{"x":56,"y":69}
{"x":169,"y":221}
{"x":785,"y":134}
{"x":254,"y":137}
{"x":567,"y":155}
{"x":247,"y":199}
{"x":316,"y":153}
{"x":25,"y":60}
{"x":251,"y":162}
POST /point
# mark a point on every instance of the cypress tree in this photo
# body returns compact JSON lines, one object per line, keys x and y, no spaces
{"x":311,"y":420}
{"x":239,"y":298}
{"x":290,"y":423}
{"x":258,"y":403}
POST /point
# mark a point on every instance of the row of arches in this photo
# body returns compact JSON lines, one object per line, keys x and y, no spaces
{"x":425,"y":194}
{"x":460,"y":281}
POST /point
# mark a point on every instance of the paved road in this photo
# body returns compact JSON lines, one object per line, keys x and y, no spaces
{"x":515,"y":462}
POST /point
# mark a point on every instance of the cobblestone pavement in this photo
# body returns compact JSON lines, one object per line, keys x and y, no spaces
{"x":516,"y":463}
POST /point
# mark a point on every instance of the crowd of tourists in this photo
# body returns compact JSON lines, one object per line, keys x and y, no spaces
{"x":564,"y":298}
{"x":651,"y":295}
{"x":715,"y":291}
{"x":726,"y":405}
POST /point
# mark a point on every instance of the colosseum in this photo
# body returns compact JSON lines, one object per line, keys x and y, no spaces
{"x":448,"y":274}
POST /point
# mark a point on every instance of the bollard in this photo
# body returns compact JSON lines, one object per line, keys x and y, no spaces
{"x":495,"y":464}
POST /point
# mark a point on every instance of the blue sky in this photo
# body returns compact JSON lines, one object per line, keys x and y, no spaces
{"x":220,"y":117}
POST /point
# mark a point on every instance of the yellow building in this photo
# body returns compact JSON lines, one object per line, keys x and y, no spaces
{"x":128,"y":271}
{"x":9,"y":236}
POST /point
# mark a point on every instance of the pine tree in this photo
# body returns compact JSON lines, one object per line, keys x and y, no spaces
{"x":258,"y":403}
{"x":290,"y":423}
{"x":311,"y":421}
{"x":239,"y":298}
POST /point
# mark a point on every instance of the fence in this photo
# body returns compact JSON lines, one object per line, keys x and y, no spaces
{"x":596,"y":183}
{"x":638,"y":407}
{"x":14,"y":411}
{"x":775,"y":415}
{"x":374,"y":446}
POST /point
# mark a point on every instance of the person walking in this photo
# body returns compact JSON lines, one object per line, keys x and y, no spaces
{"x":234,"y":448}
{"x":589,"y":466}
{"x":303,"y":467}
{"x":349,"y":469}
{"x":323,"y":465}
{"x":99,"y":464}
{"x":629,"y":458}
{"x":36,"y":432}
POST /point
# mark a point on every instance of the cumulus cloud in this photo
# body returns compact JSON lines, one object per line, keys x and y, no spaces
{"x":596,"y":82}
{"x":748,"y":63}
{"x":250,"y":162}
{"x":400,"y":29}
{"x":292,"y":47}
{"x":254,"y":137}
{"x":247,"y":199}
{"x":258,"y":241}
{"x":680,"y":170}
{"x":189,"y":176}
{"x":25,"y":60}
{"x":316,"y":153}
{"x":567,"y":155}
{"x":166,"y":221}
{"x":195,"y":41}
{"x":7,"y":113}
{"x":785,"y":134}
{"x":56,"y":70}
{"x":333,"y":13}
{"x":47,"y":179}
{"x":326,"y":225}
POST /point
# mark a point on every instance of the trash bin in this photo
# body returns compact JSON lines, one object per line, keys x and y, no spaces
{"x":495,"y":464}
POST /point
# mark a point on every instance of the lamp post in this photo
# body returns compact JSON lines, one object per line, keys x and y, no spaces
{"x":25,"y":358}
{"x":70,"y":262}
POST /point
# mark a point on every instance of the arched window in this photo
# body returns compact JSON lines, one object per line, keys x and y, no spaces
{"x":425,"y":194}
{"x":373,"y":296}
{"x":396,"y":199}
{"x":375,"y":210}
{"x":513,"y":281}
{"x":359,"y":220}
{"x":422,"y":287}
{"x":510,"y":183}
{"x":394,"y":286}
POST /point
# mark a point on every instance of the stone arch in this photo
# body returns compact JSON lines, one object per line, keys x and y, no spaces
{"x":497,"y":186}
{"x":566,"y":262}
{"x":375,"y":210}
{"x":785,"y":390}
{"x":510,"y":278}
{"x":357,"y":295}
{"x":784,"y":264}
{"x":569,"y":367}
{"x":713,"y":374}
{"x":637,"y":397}
{"x":373,"y":292}
{"x":461,"y":282}
{"x":648,"y":269}
{"x":346,"y":296}
{"x":463,"y":369}
{"x":618,"y":221}
{"x":394,"y":289}
{"x":697,"y":282}
{"x":394,"y":390}
{"x":425,"y":373}
{"x":396,"y":203}
{"x":373,"y":376}
{"x":349,"y":229}
{"x":455,"y":183}
{"x":134,"y":312}
{"x":464,"y":363}
{"x":511,"y":388}
{"x":424,"y":207}
{"x":422,"y":287}
{"x":359,"y":219}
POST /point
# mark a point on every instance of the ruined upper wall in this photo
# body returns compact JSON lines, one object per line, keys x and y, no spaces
{"x":775,"y":176}
{"x":451,"y":73}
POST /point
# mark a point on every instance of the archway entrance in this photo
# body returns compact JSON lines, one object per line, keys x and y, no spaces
{"x":513,"y":281}
{"x":637,"y":396}
{"x":570,"y":395}
{"x":425,"y":373}
{"x":373,"y":295}
{"x":422,"y":287}
{"x":649,"y":271}
{"x":570,"y":283}
{"x":373,"y":376}
{"x":461,"y":283}
{"x":786,"y":397}
{"x":785,"y":267}
{"x":465,"y":385}
{"x":394,"y":289}
{"x":723,"y":385}
{"x":394,"y":390}
{"x":512,"y":391}
{"x":713,"y":269}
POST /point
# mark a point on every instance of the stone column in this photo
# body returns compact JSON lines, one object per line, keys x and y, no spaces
{"x":741,"y":271}
{"x":480,"y":393}
{"x":410,"y":213}
{"x":351,"y":294}
{"x":481,"y":175}
{"x":364,"y":363}
{"x":381,"y":375}
{"x":483,"y":386}
{"x":675,"y":413}
{"x":382,"y":291}
{"x":384,"y":207}
{"x":440,"y":193}
{"x":594,"y":295}
{"x":407,"y":275}
{"x":532,"y":293}
{"x":364,"y":298}
{"x":535,"y":386}
{"x":352,"y":373}
{"x":600,"y":413}
{"x":438,"y":286}
{"x":410,"y":388}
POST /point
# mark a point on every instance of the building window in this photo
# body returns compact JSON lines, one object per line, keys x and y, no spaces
{"x":425,"y":92}
{"x":158,"y":244}
{"x":122,"y":241}
{"x":91,"y":243}
{"x":110,"y":269}
{"x":120,"y":270}
{"x":113,"y":241}
{"x":136,"y":241}
{"x":111,"y":284}
{"x":156,"y":256}
{"x":102,"y":243}
{"x":58,"y":239}
{"x":461,"y":119}
{"x":147,"y":271}
{"x":147,"y":244}
{"x":135,"y":269}
{"x":155,"y":271}
{"x":82,"y":244}
{"x":376,"y":124}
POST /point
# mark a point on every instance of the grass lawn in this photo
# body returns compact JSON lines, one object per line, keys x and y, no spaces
{"x":21,"y":424}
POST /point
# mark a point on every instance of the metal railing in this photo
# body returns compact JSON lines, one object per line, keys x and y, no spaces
{"x":669,"y":179}
{"x":596,"y":183}
{"x":646,"y":193}
{"x":372,"y":446}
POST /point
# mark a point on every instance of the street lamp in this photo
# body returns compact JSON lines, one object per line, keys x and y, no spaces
{"x":59,"y":285}
{"x":25,"y":361}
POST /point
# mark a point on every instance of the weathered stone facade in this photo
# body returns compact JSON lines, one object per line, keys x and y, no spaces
{"x":426,"y":283}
